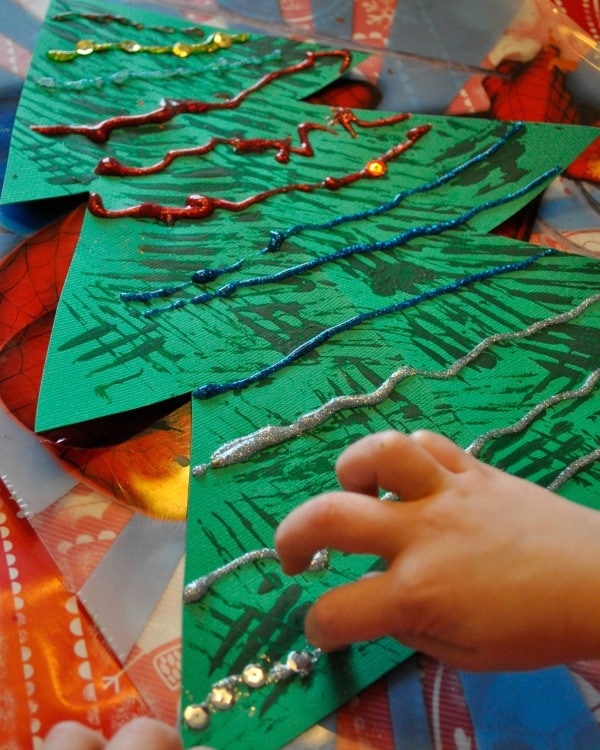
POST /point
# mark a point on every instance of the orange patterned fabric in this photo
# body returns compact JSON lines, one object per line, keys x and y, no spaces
{"x":53,"y":663}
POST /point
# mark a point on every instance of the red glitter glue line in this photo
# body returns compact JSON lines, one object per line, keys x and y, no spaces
{"x":170,"y":108}
{"x":111,"y":166}
{"x":203,"y":206}
{"x":344,"y":117}
{"x":347,"y":119}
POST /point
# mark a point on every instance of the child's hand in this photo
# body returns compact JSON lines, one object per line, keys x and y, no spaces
{"x":139,"y":734}
{"x":485,"y":571}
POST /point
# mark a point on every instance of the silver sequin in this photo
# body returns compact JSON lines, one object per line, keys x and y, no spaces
{"x":196,"y":716}
{"x":300,"y":662}
{"x":254,"y":676}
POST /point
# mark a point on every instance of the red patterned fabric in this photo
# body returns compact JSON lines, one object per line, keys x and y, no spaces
{"x":586,"y":13}
{"x":53,"y":663}
{"x":365,"y":721}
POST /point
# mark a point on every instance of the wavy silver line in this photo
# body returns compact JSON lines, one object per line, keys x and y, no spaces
{"x":198,"y":588}
{"x":573,"y":468}
{"x":243,"y":448}
{"x":590,"y":382}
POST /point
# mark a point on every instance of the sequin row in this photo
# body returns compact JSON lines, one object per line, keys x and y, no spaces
{"x":224,"y":693}
{"x":244,"y":448}
{"x":85,"y":47}
{"x":124,"y":76}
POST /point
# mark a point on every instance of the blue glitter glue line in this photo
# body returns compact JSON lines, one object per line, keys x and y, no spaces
{"x":279,"y":237}
{"x":213,"y":389}
{"x":202,"y":276}
{"x":424,"y":230}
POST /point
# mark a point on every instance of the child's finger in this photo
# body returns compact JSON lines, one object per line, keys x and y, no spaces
{"x":341,"y":520}
{"x":446,"y":452}
{"x":451,"y":654}
{"x":393,"y":461}
{"x":358,"y":611}
{"x":70,"y":734}
{"x":145,"y":733}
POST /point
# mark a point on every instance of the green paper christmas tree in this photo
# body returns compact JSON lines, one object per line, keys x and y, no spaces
{"x":269,"y":257}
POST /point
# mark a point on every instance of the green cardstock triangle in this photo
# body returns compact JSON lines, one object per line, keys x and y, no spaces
{"x":102,"y":84}
{"x":125,"y":352}
{"x":120,"y":349}
{"x":340,"y":247}
{"x":466,"y":385}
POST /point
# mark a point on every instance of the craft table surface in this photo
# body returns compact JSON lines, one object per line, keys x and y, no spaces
{"x":55,"y":661}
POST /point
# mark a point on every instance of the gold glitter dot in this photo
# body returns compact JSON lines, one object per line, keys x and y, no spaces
{"x":84,"y":47}
{"x":181,"y":49}
{"x":130,"y":46}
{"x":223,"y":41}
{"x":376,"y":168}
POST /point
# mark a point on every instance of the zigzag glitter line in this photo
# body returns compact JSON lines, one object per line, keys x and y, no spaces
{"x":573,"y":468}
{"x":279,"y":237}
{"x":585,"y":390}
{"x":244,"y":448}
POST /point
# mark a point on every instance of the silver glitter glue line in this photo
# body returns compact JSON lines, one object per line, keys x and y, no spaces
{"x":198,"y":588}
{"x":573,"y":468}
{"x":244,"y":448}
{"x":590,"y":382}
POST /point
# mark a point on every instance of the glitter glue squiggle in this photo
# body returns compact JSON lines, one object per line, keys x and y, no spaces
{"x":198,"y":588}
{"x":244,"y":448}
{"x":424,"y":230}
{"x":590,"y":383}
{"x":209,"y":390}
{"x":124,"y":76}
{"x":573,"y":468}
{"x":278,"y":237}
{"x":199,"y":206}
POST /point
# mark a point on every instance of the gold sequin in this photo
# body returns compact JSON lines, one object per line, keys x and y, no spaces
{"x":181,"y":49}
{"x":376,"y":168}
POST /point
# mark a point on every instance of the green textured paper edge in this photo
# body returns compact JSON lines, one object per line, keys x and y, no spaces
{"x":237,"y":508}
{"x":118,"y":360}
